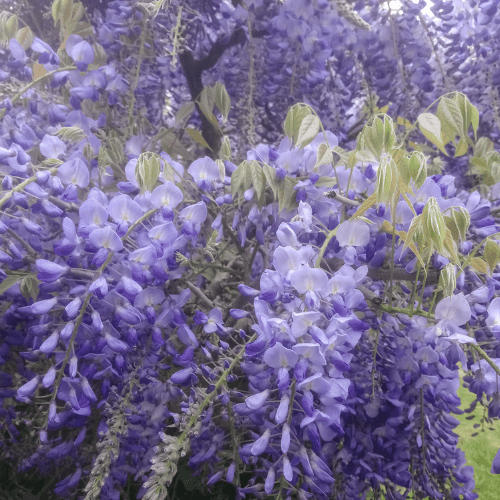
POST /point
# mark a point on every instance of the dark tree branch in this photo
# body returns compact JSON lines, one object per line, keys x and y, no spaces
{"x":193,"y":70}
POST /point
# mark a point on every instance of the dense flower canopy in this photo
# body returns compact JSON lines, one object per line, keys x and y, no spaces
{"x":183,"y":283}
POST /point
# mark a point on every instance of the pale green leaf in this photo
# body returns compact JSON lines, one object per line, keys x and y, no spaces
{"x":222,"y":99}
{"x":308,"y":130}
{"x":197,"y":137}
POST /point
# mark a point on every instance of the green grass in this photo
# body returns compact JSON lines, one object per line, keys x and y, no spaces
{"x":481,"y":449}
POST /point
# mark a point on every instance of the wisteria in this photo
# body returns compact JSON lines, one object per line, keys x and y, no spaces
{"x":285,"y":313}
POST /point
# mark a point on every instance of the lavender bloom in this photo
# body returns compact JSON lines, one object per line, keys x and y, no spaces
{"x":353,"y":233}
{"x":28,"y":388}
{"x":279,"y":356}
{"x":204,"y":172}
{"x":106,"y":238}
{"x":80,"y":51}
{"x":50,"y":271}
{"x":74,"y":172}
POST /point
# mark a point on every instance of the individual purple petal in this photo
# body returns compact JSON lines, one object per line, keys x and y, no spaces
{"x":230,"y":472}
{"x":285,"y":438}
{"x":115,"y":344}
{"x":287,"y":469}
{"x":43,"y":306}
{"x":106,"y":238}
{"x":73,"y":308}
{"x":308,"y":279}
{"x":164,"y":233}
{"x":493,"y":319}
{"x":279,"y":356}
{"x":80,"y":51}
{"x":353,"y":233}
{"x":50,"y":271}
{"x":454,"y":308}
{"x":257,"y":401}
{"x":196,"y":213}
{"x":73,"y":365}
{"x":238,"y":313}
{"x":282,"y":411}
{"x":150,"y":296}
{"x":81,"y":436}
{"x":49,"y":377}
{"x":52,"y":147}
{"x":49,"y":344}
{"x":17,"y":50}
{"x":261,"y":444}
{"x":247,"y":291}
{"x":495,"y":466}
{"x":214,"y":319}
{"x":87,"y":390}
{"x":286,"y":260}
{"x":167,"y":194}
{"x":303,"y":321}
{"x":75,"y":172}
{"x":204,"y":169}
{"x":146,"y":256}
{"x":311,"y":352}
{"x":181,"y":376}
{"x":28,"y":388}
{"x":123,"y":209}
{"x":270,"y":480}
{"x":186,"y":336}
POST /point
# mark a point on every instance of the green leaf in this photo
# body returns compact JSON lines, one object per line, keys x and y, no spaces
{"x":114,"y":150}
{"x":56,"y":10}
{"x":148,"y":170}
{"x":207,"y":100}
{"x":241,"y":179}
{"x":225,"y":149}
{"x":25,"y":37}
{"x":222,"y":99}
{"x":479,"y":265}
{"x":470,"y":115}
{"x":71,"y":134}
{"x":285,"y":193}
{"x":29,"y":287}
{"x":271,"y":178}
{"x":474,"y":119}
{"x":324,"y":156}
{"x":483,"y":146}
{"x":9,"y":282}
{"x":434,"y":224}
{"x":448,"y":112}
{"x":461,"y":148}
{"x":308,"y":130}
{"x":492,"y":254}
{"x":11,"y":27}
{"x":294,"y":119}
{"x":258,"y":182}
{"x":448,"y":279}
{"x":344,"y":155}
{"x":387,"y":176}
{"x":66,"y":12}
{"x":222,"y":169}
{"x":206,"y":103}
{"x":430,"y":126}
{"x":197,"y":137}
{"x":185,"y":111}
